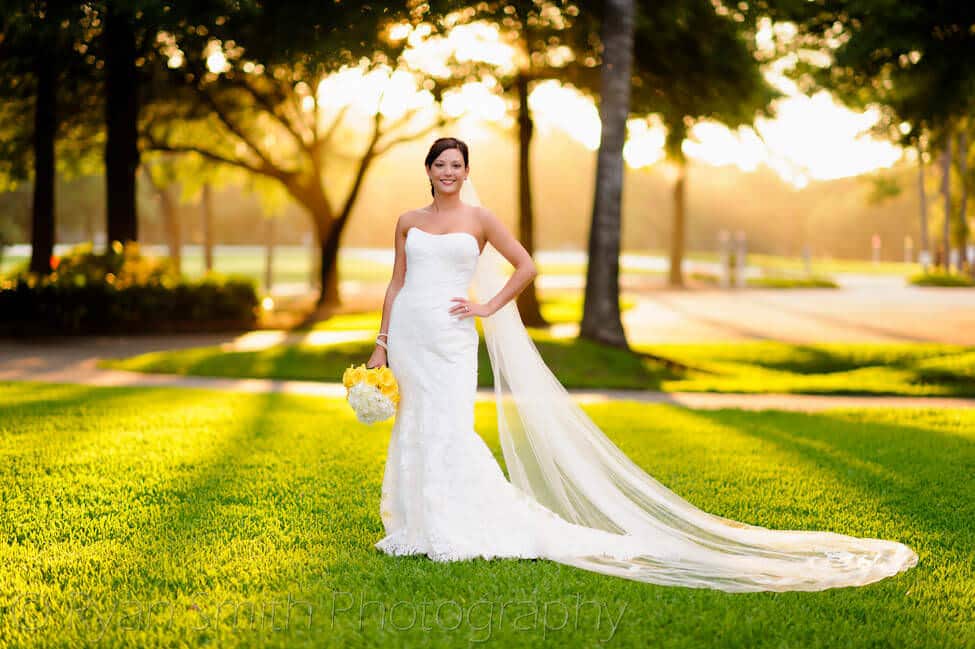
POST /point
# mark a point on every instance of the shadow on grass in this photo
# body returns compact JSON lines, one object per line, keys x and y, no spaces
{"x":577,"y":363}
{"x":923,"y":474}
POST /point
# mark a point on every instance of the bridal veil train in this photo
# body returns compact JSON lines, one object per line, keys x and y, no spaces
{"x":573,"y":496}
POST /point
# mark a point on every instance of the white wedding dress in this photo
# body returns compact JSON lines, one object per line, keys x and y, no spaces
{"x":443,"y":492}
{"x":579,"y":500}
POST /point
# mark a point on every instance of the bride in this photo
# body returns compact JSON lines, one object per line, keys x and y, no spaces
{"x":574,"y":497}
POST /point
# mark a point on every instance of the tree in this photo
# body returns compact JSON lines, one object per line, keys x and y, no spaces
{"x":550,"y":40}
{"x":250,"y":98}
{"x":689,"y":62}
{"x":41,"y":76}
{"x":914,"y":61}
{"x":161,"y":176}
{"x":695,"y":61}
{"x":601,"y":313}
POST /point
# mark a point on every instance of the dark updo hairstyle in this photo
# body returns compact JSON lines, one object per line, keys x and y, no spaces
{"x":440,"y":145}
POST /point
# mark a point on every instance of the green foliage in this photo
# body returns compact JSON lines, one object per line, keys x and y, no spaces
{"x":791,"y":282}
{"x":694,"y":61}
{"x":913,"y":59}
{"x":941,"y":278}
{"x":118,"y":499}
{"x":119,"y":265}
{"x":121,"y":291}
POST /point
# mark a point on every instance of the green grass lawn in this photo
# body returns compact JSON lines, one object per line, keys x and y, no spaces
{"x":912,"y":369}
{"x":919,"y":369}
{"x":578,"y":364}
{"x":941,"y":278}
{"x":792,"y":282}
{"x":145,"y":518}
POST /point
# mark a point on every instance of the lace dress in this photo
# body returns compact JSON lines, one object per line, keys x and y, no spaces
{"x":444,"y":494}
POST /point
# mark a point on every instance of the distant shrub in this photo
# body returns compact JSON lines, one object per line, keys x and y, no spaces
{"x":704,"y":277}
{"x":792,"y":282}
{"x":121,"y":291}
{"x":941,"y":278}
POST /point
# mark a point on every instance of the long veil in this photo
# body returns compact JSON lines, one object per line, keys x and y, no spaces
{"x":555,"y":453}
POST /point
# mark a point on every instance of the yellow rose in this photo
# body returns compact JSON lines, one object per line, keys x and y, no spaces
{"x":358,"y":374}
{"x":372,"y":377}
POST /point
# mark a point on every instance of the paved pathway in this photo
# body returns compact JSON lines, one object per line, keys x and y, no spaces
{"x":867,"y":309}
{"x":74,"y":361}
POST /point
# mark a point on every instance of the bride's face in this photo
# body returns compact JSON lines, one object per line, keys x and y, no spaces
{"x":448,"y":173}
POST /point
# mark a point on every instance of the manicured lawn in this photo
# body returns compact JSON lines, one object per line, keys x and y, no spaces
{"x":578,"y":364}
{"x":831,"y":368}
{"x":940,"y":278}
{"x":148,"y":517}
{"x":792,"y":282}
{"x":919,"y":369}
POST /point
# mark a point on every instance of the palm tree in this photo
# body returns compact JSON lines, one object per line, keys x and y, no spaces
{"x":601,"y":320}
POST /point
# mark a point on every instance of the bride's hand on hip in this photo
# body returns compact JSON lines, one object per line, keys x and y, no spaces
{"x":466,"y":309}
{"x":378,"y":358}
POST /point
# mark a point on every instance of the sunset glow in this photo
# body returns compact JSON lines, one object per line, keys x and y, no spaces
{"x":810,"y":137}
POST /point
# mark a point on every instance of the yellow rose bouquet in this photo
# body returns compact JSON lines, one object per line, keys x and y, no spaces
{"x":372,"y":392}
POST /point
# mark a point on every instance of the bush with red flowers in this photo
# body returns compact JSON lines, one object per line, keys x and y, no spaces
{"x":122,"y":291}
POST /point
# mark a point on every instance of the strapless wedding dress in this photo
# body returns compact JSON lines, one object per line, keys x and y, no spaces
{"x":444,"y":493}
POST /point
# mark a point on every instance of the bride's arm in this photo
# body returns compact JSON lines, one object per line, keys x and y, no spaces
{"x":395,"y":284}
{"x":505,"y":242}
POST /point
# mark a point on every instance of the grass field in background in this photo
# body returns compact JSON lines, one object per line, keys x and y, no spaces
{"x":910,"y":369}
{"x":918,"y":369}
{"x":292,"y":264}
{"x":578,"y":364}
{"x":150,"y":517}
{"x":558,"y":307}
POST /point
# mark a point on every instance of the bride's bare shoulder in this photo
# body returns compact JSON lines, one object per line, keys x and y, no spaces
{"x":410,"y":218}
{"x":487,"y":219}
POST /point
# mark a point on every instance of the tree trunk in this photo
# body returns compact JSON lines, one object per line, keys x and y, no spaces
{"x":963,"y":198}
{"x":45,"y":126}
{"x":328,"y":233}
{"x":678,"y":233}
{"x":923,"y":198}
{"x":268,"y":255}
{"x":121,"y":117}
{"x":601,"y":320}
{"x":328,"y":296}
{"x":527,"y":300}
{"x":174,"y":238}
{"x":946,"y":194}
{"x":207,"y":228}
{"x":170,"y":217}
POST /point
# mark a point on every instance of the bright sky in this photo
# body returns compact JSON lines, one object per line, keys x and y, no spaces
{"x":810,"y":137}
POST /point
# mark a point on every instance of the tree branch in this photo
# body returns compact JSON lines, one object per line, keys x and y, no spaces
{"x":270,"y":172}
{"x":334,"y":126}
{"x":367,"y":157}
{"x":270,"y":107}
{"x":235,"y":129}
{"x":389,"y":144}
